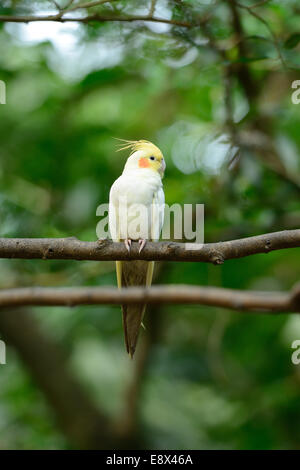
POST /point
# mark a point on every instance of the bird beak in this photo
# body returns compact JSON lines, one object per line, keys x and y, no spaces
{"x":162,"y":168}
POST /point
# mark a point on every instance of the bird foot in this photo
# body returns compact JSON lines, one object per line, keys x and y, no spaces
{"x":128,"y":244}
{"x":142,"y":243}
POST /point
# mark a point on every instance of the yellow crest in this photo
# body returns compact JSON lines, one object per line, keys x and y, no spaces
{"x":136,"y":145}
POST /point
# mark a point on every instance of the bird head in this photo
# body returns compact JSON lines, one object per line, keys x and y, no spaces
{"x":144,"y":155}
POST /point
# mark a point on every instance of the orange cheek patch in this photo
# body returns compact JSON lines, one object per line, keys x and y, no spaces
{"x":144,"y":163}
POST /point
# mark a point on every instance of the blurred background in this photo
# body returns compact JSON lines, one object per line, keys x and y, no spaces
{"x":216,"y":98}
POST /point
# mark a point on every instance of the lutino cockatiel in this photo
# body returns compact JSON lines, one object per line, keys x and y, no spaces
{"x":136,"y":212}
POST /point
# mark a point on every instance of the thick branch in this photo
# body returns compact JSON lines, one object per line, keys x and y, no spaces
{"x":164,"y":294}
{"x":106,"y":250}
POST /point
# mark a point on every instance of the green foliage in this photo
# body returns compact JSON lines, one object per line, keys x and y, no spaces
{"x":215,"y":379}
{"x":292,"y":41}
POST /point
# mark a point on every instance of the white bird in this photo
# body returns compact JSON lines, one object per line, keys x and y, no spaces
{"x":136,"y":212}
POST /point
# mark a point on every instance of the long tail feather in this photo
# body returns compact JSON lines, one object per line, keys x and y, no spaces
{"x":132,"y":320}
{"x":133,"y":273}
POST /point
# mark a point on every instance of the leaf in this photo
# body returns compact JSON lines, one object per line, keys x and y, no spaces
{"x":292,"y":41}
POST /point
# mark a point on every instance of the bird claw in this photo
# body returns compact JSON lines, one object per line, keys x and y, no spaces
{"x":142,"y":244}
{"x":128,"y":244}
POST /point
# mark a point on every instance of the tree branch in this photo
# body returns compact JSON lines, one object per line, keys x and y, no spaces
{"x":106,"y":250}
{"x":259,"y":4}
{"x":87,"y":5}
{"x":152,"y":7}
{"x":163,"y":294}
{"x":91,"y":18}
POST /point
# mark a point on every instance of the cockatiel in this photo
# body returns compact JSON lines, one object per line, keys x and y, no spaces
{"x":136,"y":212}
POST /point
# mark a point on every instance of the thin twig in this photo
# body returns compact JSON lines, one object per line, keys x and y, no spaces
{"x":152,"y":7}
{"x":88,"y":5}
{"x":259,"y":4}
{"x":57,"y":5}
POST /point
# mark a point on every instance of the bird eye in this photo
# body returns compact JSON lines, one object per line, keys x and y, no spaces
{"x":152,"y":158}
